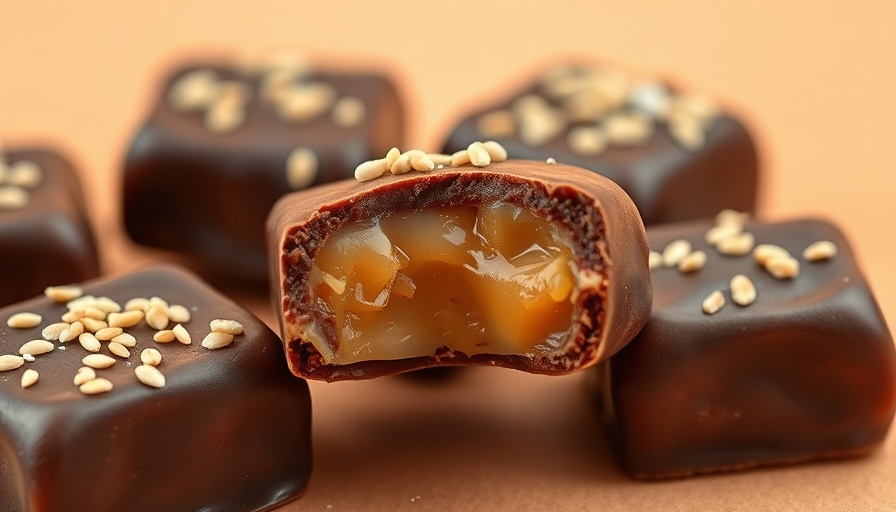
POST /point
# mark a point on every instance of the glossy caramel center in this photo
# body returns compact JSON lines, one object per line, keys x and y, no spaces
{"x":492,"y":279}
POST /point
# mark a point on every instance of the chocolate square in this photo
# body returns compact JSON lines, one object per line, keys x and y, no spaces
{"x":673,"y":174}
{"x":45,"y":232}
{"x":805,"y":372}
{"x":230,"y":429}
{"x":206,"y":194}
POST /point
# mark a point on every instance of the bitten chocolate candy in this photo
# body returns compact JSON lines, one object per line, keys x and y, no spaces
{"x":537,"y":267}
{"x":804,"y":371}
{"x":223,"y":143}
{"x":45,"y":234}
{"x":677,"y":154}
{"x":169,"y":425}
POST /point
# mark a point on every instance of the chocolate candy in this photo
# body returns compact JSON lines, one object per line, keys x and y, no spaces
{"x":229,"y":428}
{"x":805,"y":370}
{"x":676,"y":154}
{"x":45,"y":233}
{"x":222,"y":144}
{"x":537,"y":267}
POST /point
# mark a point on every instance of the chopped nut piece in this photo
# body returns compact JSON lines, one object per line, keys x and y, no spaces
{"x":692,"y":262}
{"x":301,"y":168}
{"x":150,"y":375}
{"x":29,"y":378}
{"x":24,"y":320}
{"x":736,"y":245}
{"x":216,"y":340}
{"x":743,"y":291}
{"x":783,"y":267}
{"x":89,"y":342}
{"x":713,"y":303}
{"x":10,"y":362}
{"x":36,"y":347}
{"x":63,"y":293}
{"x":822,"y":250}
{"x":675,"y":252}
{"x":84,"y":374}
{"x":96,"y":386}
{"x":98,"y":361}
{"x":151,"y":357}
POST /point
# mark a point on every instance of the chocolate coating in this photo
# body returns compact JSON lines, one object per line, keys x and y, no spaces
{"x":230,"y":431}
{"x":606,"y":233}
{"x":806,"y":372}
{"x":207,"y":195}
{"x":666,"y":182}
{"x":49,"y":241}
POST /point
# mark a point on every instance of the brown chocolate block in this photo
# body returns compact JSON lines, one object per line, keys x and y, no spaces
{"x":45,"y":232}
{"x":200,"y":178}
{"x":805,"y":372}
{"x":228,"y":431}
{"x":556,"y":286}
{"x":676,"y":154}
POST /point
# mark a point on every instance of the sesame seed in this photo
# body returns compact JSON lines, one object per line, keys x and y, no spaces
{"x":479,"y":157}
{"x":224,"y":117}
{"x":164,"y":336}
{"x":127,"y":319}
{"x":137,"y":304}
{"x":25,"y":174}
{"x":36,"y":347}
{"x":587,"y":140}
{"x":496,"y":124}
{"x":125,"y":339}
{"x":728,"y":216}
{"x":216,"y":340}
{"x":550,"y":161}
{"x":371,"y":169}
{"x":157,"y":317}
{"x":627,"y":129}
{"x":92,"y":324}
{"x":782,"y":267}
{"x":226,"y":326}
{"x":461,"y":157}
{"x":692,"y":262}
{"x":687,"y":132}
{"x":63,"y":293}
{"x":819,"y":251}
{"x":89,"y":342}
{"x":108,"y":333}
{"x":717,"y":233}
{"x":74,"y":331}
{"x":84,"y":374}
{"x":654,"y":260}
{"x":419,"y":161}
{"x":29,"y":378}
{"x":764,"y":252}
{"x":150,"y":375}
{"x":391,"y":156}
{"x":98,"y":361}
{"x":179,"y":314}
{"x":301,"y":168}
{"x":348,"y":111}
{"x":24,"y":320}
{"x":118,"y":349}
{"x":96,"y":386}
{"x":675,"y":252}
{"x":10,"y":362}
{"x":440,"y":159}
{"x":305,"y":102}
{"x":743,"y":291}
{"x":13,"y":198}
{"x":180,"y":332}
{"x":52,"y":331}
{"x":736,"y":245}
{"x":194,"y":90}
{"x":713,"y":303}
{"x":106,"y":305}
{"x":151,"y":357}
{"x":402,"y":165}
{"x":495,"y":150}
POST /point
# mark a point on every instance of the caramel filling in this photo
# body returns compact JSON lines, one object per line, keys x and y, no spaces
{"x":492,"y":279}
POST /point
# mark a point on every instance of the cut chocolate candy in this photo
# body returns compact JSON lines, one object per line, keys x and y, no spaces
{"x":223,"y":144}
{"x":805,"y":371}
{"x":177,"y":427}
{"x":45,"y":232}
{"x":676,"y":154}
{"x":526,"y":265}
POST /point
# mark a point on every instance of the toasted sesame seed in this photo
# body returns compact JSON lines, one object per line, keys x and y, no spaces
{"x":194,"y":91}
{"x":179,"y":314}
{"x":29,"y":378}
{"x":821,"y":250}
{"x":24,"y":320}
{"x":92,"y":313}
{"x":180,"y":332}
{"x":551,"y":160}
{"x":495,"y":150}
{"x":157,"y":317}
{"x":713,"y":303}
{"x":301,"y":168}
{"x":74,"y":331}
{"x":419,"y":161}
{"x":439,"y":159}
{"x":92,"y":324}
{"x":126,"y":339}
{"x":118,"y":349}
{"x":216,"y":340}
{"x":107,"y":305}
{"x":371,"y":169}
{"x":137,"y":304}
{"x":82,"y":302}
{"x":627,"y":129}
{"x":587,"y":140}
{"x":84,"y":374}
{"x":24,"y":173}
{"x":96,"y":386}
{"x":13,"y":198}
{"x":89,"y":342}
{"x":108,"y":333}
{"x":783,"y":267}
{"x":736,"y":245}
{"x":126,"y":319}
{"x":764,"y":252}
{"x":63,"y":293}
{"x":391,"y":156}
{"x":654,"y":260}
{"x":402,"y":165}
{"x":692,"y":262}
{"x":717,"y":233}
{"x":158,"y":302}
{"x":496,"y":124}
{"x":150,"y":375}
{"x":52,"y":331}
{"x":151,"y":356}
{"x":348,"y":111}
{"x":743,"y":292}
{"x":36,"y":347}
{"x":461,"y":157}
{"x":10,"y":362}
{"x":728,"y":216}
{"x":226,"y":326}
{"x":98,"y":361}
{"x":73,"y":316}
{"x":164,"y":336}
{"x":675,"y":252}
{"x":479,"y":157}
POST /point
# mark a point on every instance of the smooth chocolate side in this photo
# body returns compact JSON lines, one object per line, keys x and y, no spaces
{"x":230,"y":430}
{"x":603,"y":226}
{"x":50,"y":241}
{"x":807,"y":372}
{"x":207,"y":195}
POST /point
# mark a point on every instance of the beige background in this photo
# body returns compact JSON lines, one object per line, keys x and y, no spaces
{"x":815,"y":80}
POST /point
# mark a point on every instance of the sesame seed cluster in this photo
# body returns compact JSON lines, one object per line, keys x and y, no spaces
{"x":597,"y":108}
{"x":478,"y":154}
{"x":95,"y":321}
{"x":730,"y":238}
